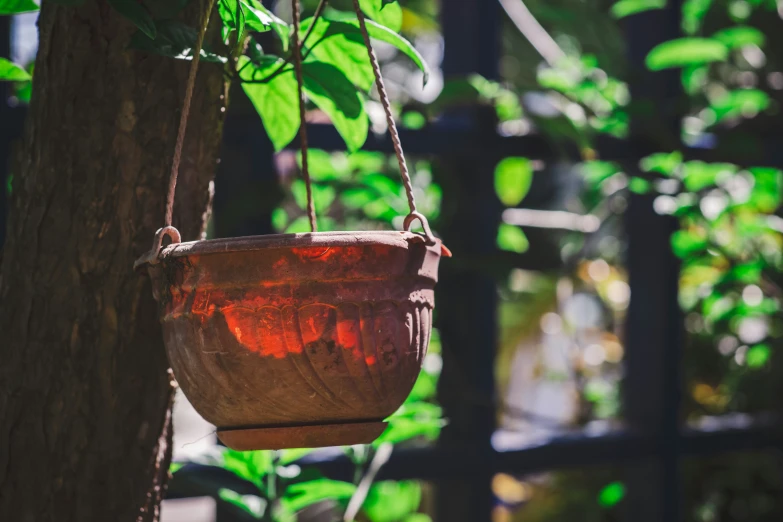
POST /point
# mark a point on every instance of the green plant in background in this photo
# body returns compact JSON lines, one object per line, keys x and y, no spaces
{"x":337,"y":73}
{"x":592,"y":100}
{"x":356,"y":191}
{"x":730,"y":243}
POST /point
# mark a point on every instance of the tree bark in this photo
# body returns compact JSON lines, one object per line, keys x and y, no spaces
{"x":85,"y":397}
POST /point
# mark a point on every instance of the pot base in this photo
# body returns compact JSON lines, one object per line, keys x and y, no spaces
{"x":314,"y":436}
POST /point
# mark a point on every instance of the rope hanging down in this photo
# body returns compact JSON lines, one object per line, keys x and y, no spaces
{"x":395,"y":136}
{"x":183,"y":120}
{"x":302,"y":123}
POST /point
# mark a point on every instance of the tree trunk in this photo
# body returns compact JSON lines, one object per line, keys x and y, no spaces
{"x":85,"y":397}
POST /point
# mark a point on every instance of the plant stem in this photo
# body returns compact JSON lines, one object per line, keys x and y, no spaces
{"x":381,"y":457}
{"x":318,"y":12}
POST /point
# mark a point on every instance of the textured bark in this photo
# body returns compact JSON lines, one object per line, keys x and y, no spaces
{"x":84,"y":392}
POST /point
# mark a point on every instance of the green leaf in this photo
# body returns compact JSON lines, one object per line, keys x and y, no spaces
{"x":330,"y":43}
{"x":10,"y":72}
{"x":278,"y":25}
{"x":385,"y":187}
{"x":298,"y":226}
{"x":289,"y":456}
{"x":425,"y":388}
{"x":12,"y":7}
{"x":767,"y":188}
{"x":333,"y":93}
{"x":687,"y":242}
{"x":414,"y":120}
{"x":279,"y":219}
{"x":392,"y":501}
{"x":338,"y":40}
{"x":323,"y":195}
{"x":611,"y":494}
{"x":384,"y":34}
{"x":512,"y":239}
{"x":513,"y":177}
{"x":136,"y":13}
{"x":380,"y":210}
{"x":698,"y":175}
{"x":717,"y":307}
{"x":639,"y":185}
{"x":258,"y":20}
{"x":364,"y":161}
{"x":508,"y":106}
{"x":758,"y":356}
{"x":299,"y":496}
{"x":748,"y":273}
{"x":322,"y":165}
{"x":231,"y":16}
{"x":624,"y":8}
{"x":389,"y":15}
{"x":412,"y":420}
{"x":357,"y":197}
{"x":766,"y":307}
{"x":249,"y":465}
{"x":244,"y":502}
{"x":682,"y":52}
{"x":740,"y":102}
{"x":740,"y":36}
{"x":560,"y":80}
{"x":596,"y":172}
{"x":662,"y":163}
{"x":418,"y":517}
{"x":174,"y":40}
{"x":694,"y":78}
{"x":302,"y":225}
{"x":276,"y":101}
{"x":693,"y":12}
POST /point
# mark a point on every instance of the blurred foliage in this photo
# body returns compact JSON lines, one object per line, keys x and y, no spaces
{"x":745,"y":487}
{"x":371,"y":193}
{"x":594,"y":496}
{"x":730,"y":240}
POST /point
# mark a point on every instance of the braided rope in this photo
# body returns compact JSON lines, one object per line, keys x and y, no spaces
{"x":183,"y":120}
{"x":303,"y":126}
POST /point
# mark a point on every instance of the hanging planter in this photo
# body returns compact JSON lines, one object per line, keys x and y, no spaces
{"x":297,"y":340}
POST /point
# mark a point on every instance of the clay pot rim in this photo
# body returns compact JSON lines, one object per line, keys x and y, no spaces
{"x":394,"y":238}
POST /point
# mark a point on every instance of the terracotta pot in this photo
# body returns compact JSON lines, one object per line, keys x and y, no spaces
{"x":299,"y":340}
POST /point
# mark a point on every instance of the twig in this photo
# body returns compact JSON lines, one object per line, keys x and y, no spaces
{"x":381,"y":457}
{"x":527,"y":24}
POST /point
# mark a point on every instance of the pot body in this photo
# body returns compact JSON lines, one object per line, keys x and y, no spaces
{"x":281,"y":338}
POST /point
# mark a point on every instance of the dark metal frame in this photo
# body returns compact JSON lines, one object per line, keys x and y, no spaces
{"x":654,"y":441}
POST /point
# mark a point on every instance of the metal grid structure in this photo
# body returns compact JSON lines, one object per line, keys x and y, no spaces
{"x":651,"y":446}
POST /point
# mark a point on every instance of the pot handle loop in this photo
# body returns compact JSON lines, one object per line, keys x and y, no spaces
{"x":157,"y":242}
{"x":410,"y":218}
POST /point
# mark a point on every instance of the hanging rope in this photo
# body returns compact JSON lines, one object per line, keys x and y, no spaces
{"x":183,"y":120}
{"x":376,"y":69}
{"x":302,"y":126}
{"x":395,"y":136}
